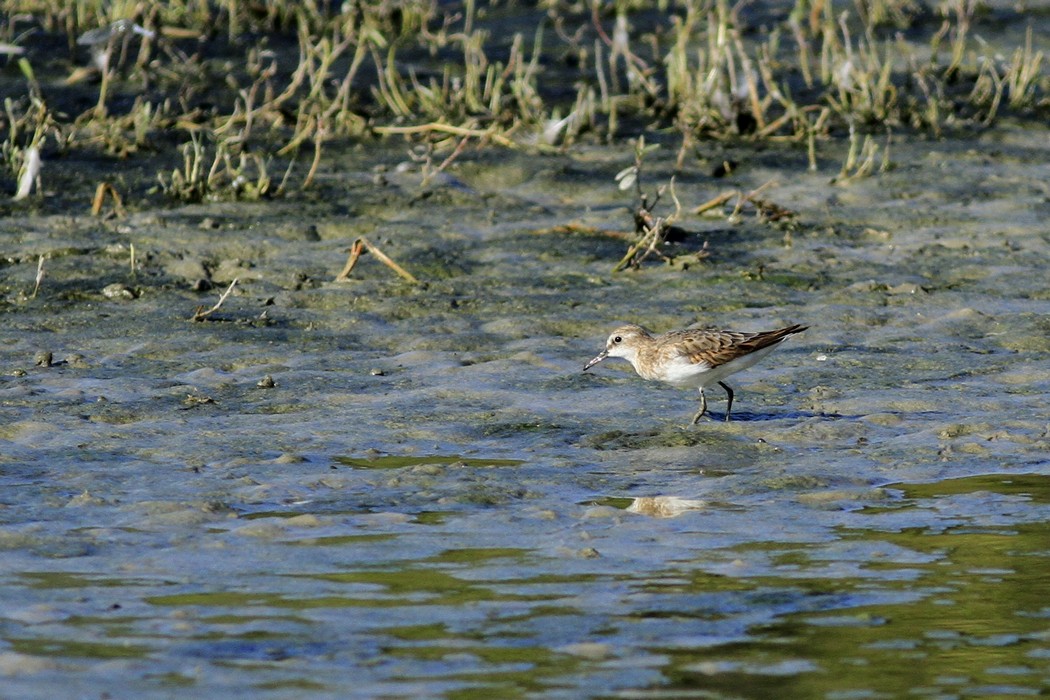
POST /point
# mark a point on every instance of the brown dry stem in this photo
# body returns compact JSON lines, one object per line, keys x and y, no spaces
{"x":489,"y":134}
{"x":363,"y":245}
{"x":200,"y":314}
{"x":716,"y":202}
{"x":39,"y":276}
{"x":100,"y":199}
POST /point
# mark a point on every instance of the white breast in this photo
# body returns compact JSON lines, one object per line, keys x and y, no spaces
{"x":682,"y":373}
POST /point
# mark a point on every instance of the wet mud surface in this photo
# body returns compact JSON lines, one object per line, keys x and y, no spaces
{"x":373,"y":488}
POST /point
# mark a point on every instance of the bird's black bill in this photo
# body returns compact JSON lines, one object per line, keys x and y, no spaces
{"x":601,"y":356}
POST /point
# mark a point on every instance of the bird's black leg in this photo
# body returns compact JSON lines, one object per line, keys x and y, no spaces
{"x":703,"y":408}
{"x":729,"y":403}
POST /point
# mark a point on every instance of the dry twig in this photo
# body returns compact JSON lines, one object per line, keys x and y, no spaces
{"x":100,"y":199}
{"x":716,"y":202}
{"x":200,"y":314}
{"x":654,"y":230}
{"x":490,"y":134}
{"x":363,"y":245}
{"x":39,"y":277}
{"x":749,"y":197}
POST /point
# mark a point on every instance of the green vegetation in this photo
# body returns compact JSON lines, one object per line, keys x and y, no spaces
{"x":235,"y":100}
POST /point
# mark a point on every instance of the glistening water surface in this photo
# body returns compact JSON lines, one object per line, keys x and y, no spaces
{"x":428,"y":498}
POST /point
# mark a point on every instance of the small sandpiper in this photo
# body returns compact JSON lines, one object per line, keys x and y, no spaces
{"x":693,"y":358}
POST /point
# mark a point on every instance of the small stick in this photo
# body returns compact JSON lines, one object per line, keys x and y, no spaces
{"x":39,"y":277}
{"x":388,"y":262}
{"x":200,"y":314}
{"x":750,"y":197}
{"x":355,"y":252}
{"x":448,"y":129}
{"x":649,"y":240}
{"x":100,"y":199}
{"x":774,"y":125}
{"x":716,"y":202}
{"x":362,"y":245}
{"x":284,"y":180}
{"x":319,"y":134}
{"x":677,"y":204}
{"x":452,"y":156}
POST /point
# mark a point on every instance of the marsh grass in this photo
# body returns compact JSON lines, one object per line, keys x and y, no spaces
{"x":651,"y":229}
{"x":220,"y":94}
{"x":214,"y":175}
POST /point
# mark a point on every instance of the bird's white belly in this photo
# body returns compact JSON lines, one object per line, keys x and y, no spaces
{"x":680,"y":372}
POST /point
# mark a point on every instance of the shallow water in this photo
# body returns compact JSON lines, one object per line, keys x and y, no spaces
{"x":433,"y":500}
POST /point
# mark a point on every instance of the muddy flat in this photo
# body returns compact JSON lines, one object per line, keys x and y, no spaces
{"x":374,"y":487}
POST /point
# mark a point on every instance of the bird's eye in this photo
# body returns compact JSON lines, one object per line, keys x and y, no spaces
{"x":617,"y":339}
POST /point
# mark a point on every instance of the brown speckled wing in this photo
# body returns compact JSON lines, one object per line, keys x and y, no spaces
{"x":718,"y":347}
{"x":713,"y":347}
